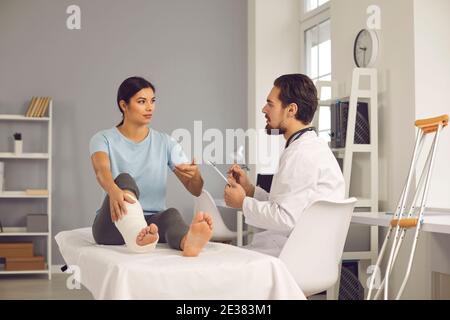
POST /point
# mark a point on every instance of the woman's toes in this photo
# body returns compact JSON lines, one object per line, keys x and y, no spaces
{"x":153,"y":229}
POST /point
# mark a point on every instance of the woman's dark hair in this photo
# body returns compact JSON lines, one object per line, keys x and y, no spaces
{"x":129,"y":88}
{"x":298,"y":89}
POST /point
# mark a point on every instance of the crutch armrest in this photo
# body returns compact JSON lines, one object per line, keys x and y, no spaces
{"x":404,"y":223}
{"x":432,"y":124}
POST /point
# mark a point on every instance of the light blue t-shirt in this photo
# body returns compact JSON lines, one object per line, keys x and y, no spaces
{"x":147,"y":162}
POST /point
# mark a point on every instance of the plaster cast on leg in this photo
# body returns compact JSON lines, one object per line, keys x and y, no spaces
{"x":138,"y":237}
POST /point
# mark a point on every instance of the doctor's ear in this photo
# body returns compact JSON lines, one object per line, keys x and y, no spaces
{"x":292,"y":109}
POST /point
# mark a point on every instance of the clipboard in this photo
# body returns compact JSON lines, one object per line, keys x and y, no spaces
{"x":218,"y":171}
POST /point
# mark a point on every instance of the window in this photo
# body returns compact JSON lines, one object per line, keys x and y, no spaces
{"x":316,"y":32}
{"x":313,"y":4}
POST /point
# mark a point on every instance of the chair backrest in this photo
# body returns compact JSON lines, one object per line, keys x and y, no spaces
{"x":264,"y":181}
{"x":314,"y":249}
{"x":206,"y":203}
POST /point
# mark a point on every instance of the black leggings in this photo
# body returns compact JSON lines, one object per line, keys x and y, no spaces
{"x":171,"y":226}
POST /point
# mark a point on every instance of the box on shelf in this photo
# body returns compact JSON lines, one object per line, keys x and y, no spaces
{"x":23,"y":264}
{"x":16,"y":250}
{"x":37,"y":223}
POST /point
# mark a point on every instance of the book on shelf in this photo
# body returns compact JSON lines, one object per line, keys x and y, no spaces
{"x":38,"y":107}
{"x":37,"y":192}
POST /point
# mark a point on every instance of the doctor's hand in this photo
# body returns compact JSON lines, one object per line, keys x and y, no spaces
{"x":117,"y":199}
{"x":234,"y":194}
{"x":239,"y":175}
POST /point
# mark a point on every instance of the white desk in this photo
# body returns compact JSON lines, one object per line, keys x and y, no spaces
{"x":437,"y":224}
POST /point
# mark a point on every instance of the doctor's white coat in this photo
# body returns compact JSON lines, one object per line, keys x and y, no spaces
{"x":308,"y":171}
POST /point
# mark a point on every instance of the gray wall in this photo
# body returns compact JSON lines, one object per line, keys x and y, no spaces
{"x":194,"y":51}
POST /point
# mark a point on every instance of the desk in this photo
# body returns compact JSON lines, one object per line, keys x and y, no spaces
{"x":436,"y":222}
{"x":437,"y":246}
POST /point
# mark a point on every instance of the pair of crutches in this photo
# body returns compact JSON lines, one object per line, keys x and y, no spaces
{"x":404,"y":220}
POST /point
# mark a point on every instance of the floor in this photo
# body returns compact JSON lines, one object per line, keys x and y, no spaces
{"x":38,"y":287}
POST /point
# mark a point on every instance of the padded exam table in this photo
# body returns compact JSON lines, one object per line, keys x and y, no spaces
{"x":220,"y":272}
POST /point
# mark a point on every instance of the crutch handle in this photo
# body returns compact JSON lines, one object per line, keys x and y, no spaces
{"x":405,"y":223}
{"x":431,"y":125}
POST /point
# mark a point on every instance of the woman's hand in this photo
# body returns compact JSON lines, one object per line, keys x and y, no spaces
{"x":240,"y":177}
{"x":187,"y":171}
{"x":117,"y":199}
{"x":190,"y":177}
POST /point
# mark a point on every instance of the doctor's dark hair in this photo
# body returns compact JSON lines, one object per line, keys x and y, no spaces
{"x":129,"y":88}
{"x":298,"y":89}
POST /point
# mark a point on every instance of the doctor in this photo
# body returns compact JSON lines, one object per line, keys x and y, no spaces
{"x":307,"y":170}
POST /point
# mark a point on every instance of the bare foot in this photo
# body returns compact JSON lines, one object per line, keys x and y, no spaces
{"x":198,"y":235}
{"x":147,"y":235}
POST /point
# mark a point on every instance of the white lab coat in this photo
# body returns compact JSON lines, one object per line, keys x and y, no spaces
{"x":307,"y":171}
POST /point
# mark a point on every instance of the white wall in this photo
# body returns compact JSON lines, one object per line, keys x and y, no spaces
{"x":432,"y":67}
{"x":413,"y":81}
{"x":274,"y":49}
{"x":195,"y":52}
{"x":397,"y":114}
{"x":411,"y":32}
{"x":396,"y":81}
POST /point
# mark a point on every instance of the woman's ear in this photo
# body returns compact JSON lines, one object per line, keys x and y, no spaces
{"x":122,"y":105}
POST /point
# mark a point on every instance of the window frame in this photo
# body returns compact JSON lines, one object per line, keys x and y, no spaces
{"x":306,"y":15}
{"x":309,"y":20}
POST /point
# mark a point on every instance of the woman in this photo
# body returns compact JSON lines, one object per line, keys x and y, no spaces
{"x":132,"y":159}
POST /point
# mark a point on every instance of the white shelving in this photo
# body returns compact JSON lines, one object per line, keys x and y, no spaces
{"x":371,"y":97}
{"x":22,"y":118}
{"x":15,"y":232}
{"x":346,"y":154}
{"x":19,"y":195}
{"x":12,"y":155}
{"x":22,"y":232}
{"x":26,"y":272}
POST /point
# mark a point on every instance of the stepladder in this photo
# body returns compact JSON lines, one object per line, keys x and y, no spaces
{"x":410,"y":210}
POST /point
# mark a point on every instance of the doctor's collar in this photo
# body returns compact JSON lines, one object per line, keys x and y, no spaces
{"x":297,"y":135}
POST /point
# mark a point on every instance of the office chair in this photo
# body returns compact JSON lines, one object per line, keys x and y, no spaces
{"x":221,"y":233}
{"x":314,"y":249}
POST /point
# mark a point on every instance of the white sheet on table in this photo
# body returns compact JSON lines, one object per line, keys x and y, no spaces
{"x":219,"y":272}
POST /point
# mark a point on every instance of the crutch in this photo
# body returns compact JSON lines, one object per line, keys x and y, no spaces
{"x":404,"y":220}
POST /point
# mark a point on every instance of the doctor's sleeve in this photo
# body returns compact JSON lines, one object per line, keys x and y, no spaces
{"x":261,"y":194}
{"x":267,"y":215}
{"x":288,"y":198}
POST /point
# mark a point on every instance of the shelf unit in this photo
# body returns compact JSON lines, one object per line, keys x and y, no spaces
{"x":11,"y":155}
{"x":22,"y":232}
{"x":346,"y":154}
{"x":19,"y":195}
